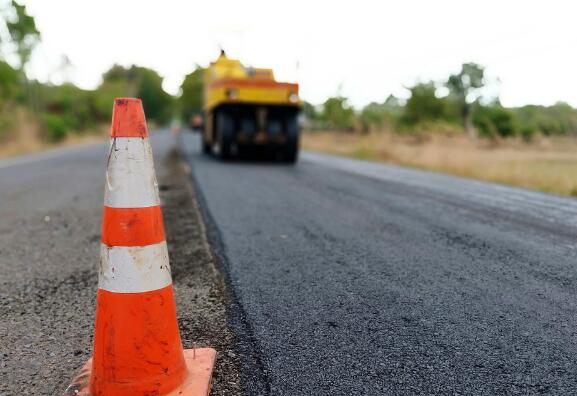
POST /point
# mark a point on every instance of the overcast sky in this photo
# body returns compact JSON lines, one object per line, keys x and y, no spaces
{"x":365,"y":50}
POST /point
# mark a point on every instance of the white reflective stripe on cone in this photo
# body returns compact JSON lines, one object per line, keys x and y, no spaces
{"x":130,"y":177}
{"x":134,"y":269}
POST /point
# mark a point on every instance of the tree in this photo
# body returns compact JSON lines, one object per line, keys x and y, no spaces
{"x":338,"y":114}
{"x":310,"y":111}
{"x":190,"y":101}
{"x":9,"y":81}
{"x":464,"y":88}
{"x":424,"y":105}
{"x":156,"y":102}
{"x":380,"y":115}
{"x":140,"y":82}
{"x":23,"y":33}
{"x":495,"y":120}
{"x":558,"y":119}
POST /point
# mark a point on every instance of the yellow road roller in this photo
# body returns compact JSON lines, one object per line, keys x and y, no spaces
{"x":246,"y":109}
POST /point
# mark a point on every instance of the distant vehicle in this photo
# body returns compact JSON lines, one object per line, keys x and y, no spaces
{"x":246,"y":108}
{"x":196,"y":123}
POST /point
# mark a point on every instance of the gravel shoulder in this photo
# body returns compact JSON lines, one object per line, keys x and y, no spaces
{"x":201,"y":294}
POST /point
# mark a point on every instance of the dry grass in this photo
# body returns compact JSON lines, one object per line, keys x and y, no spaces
{"x":548,"y":164}
{"x":25,"y":137}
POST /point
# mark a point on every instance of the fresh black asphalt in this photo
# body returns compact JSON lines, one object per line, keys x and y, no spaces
{"x":354,"y":278}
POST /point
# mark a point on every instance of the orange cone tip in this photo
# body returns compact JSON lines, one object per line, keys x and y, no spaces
{"x":128,"y":118}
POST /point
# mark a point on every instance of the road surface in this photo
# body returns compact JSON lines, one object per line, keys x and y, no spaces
{"x":360,"y":278}
{"x":346,"y":277}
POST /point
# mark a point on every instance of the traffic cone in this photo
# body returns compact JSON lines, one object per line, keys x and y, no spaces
{"x":137,"y":346}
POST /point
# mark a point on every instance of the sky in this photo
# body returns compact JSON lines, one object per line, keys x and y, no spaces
{"x":364,"y":50}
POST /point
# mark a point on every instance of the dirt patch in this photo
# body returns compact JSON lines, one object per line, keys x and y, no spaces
{"x":200,"y":292}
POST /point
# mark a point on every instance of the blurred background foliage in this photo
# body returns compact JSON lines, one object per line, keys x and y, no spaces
{"x":456,"y":105}
{"x":189,"y":103}
{"x":55,"y":112}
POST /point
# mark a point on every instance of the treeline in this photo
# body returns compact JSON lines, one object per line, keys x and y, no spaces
{"x":63,"y":109}
{"x":58,"y":110}
{"x":456,"y":105}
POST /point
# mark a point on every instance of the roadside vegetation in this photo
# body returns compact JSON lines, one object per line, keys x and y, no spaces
{"x":451,"y":107}
{"x":450,"y":126}
{"x":36,"y":115}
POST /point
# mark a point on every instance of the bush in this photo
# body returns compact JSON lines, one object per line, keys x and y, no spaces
{"x":379,"y":115}
{"x":6,"y":127}
{"x":493,"y":121}
{"x":559,"y":119}
{"x":338,"y":114}
{"x":424,"y":105}
{"x":10,"y":82}
{"x":56,"y":127}
{"x":190,"y":101}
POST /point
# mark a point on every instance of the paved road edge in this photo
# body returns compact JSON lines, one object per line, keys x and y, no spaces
{"x":254,"y":371}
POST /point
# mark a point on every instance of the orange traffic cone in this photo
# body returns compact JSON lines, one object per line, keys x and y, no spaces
{"x":137,"y":346}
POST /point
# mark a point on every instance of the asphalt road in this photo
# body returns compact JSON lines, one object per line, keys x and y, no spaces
{"x":50,"y":216}
{"x":352,"y":277}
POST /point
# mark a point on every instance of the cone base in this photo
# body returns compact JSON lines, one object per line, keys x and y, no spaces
{"x":199,"y":364}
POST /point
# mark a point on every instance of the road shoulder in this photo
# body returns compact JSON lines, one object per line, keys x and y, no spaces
{"x":201,"y":295}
